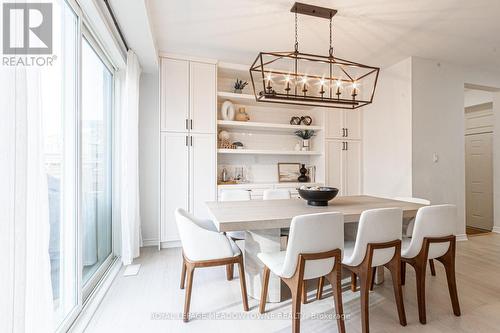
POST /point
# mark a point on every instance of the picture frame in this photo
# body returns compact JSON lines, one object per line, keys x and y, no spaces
{"x":288,"y":172}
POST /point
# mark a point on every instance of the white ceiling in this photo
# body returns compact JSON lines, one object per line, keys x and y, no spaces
{"x":375,"y":32}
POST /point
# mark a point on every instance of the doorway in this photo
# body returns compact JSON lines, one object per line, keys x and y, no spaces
{"x":479,"y":128}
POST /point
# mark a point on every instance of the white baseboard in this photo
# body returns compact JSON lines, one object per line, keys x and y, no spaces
{"x":149,"y":242}
{"x":462,"y":237}
{"x":170,"y":244}
{"x":496,"y":229}
{"x":164,"y":245}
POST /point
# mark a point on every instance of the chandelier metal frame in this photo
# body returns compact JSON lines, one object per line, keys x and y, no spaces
{"x":295,"y":92}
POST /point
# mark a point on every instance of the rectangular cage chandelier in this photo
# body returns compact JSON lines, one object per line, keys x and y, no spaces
{"x":293,"y":77}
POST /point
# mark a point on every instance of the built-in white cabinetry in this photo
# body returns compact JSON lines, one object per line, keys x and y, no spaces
{"x":343,"y":124}
{"x":343,"y":166}
{"x":188,"y":96}
{"x":188,"y":147}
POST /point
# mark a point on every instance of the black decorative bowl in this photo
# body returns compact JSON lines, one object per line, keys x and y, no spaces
{"x":318,"y":197}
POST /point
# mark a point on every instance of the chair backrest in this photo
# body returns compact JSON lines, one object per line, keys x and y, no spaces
{"x":414,"y":200}
{"x":314,"y":233}
{"x":234,"y":195}
{"x":377,"y":226}
{"x":433,"y":221}
{"x":199,"y":243}
{"x":276,"y":194}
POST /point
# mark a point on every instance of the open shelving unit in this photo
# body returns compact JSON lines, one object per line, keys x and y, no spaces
{"x":268,"y":137}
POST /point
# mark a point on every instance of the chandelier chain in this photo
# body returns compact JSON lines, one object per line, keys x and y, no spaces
{"x":296,"y":33}
{"x":331,"y":33}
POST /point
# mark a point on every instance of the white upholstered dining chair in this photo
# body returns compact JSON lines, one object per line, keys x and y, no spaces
{"x":276,"y":194}
{"x":378,"y":243}
{"x":314,"y":250}
{"x":203,"y":246}
{"x":409,"y":226}
{"x":433,"y":238}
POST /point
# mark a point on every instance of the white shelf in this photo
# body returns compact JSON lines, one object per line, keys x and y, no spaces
{"x":256,"y":126}
{"x":248,"y":99}
{"x":266,"y":152}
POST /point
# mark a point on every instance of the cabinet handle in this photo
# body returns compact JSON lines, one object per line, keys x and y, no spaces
{"x":343,"y":145}
{"x":187,"y":127}
{"x":347,"y":146}
{"x":187,"y":144}
{"x":346,"y":132}
{"x":191,"y":141}
{"x":343,"y":133}
{"x":191,"y":123}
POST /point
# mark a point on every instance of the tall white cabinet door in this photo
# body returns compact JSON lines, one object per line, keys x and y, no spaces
{"x":334,"y":164}
{"x":174,"y":182}
{"x":352,"y":121}
{"x":353,"y":168}
{"x":203,"y":97}
{"x":334,"y":124}
{"x":203,"y":173}
{"x":174,"y":95}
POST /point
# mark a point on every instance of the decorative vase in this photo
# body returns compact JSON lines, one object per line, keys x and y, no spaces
{"x":242,"y":115}
{"x":227,"y":110}
{"x":238,"y":91}
{"x":305,"y":144}
{"x":303,"y":178}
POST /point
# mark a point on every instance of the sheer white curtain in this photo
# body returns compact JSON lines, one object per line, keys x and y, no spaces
{"x":26,"y":301}
{"x":129,"y":162}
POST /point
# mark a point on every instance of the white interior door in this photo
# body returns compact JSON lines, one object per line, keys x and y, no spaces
{"x":203,"y":94}
{"x":334,"y":124}
{"x":174,"y":95}
{"x":334,"y":164}
{"x":174,"y":182}
{"x":352,"y":121}
{"x":479,"y":180}
{"x":203,"y":175}
{"x":353,"y":168}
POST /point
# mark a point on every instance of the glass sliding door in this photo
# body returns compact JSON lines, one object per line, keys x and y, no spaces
{"x":95,"y":201}
{"x":59,"y":121}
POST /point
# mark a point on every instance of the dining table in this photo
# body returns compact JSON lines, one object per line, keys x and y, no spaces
{"x":264,"y":221}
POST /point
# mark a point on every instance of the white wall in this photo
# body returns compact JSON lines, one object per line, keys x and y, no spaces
{"x":438,"y":128}
{"x":387,"y":135}
{"x":149,"y":157}
{"x":496,"y":162}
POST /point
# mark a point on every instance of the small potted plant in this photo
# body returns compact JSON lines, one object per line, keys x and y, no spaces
{"x":239,"y":85}
{"x":305,"y":135}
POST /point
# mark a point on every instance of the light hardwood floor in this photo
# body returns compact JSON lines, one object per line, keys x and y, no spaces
{"x":142,"y":303}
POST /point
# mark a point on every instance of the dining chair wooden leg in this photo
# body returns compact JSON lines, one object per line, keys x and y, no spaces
{"x":364,"y":286}
{"x":403,"y":273}
{"x":372,"y":281}
{"x":321,"y":283}
{"x":335,"y":278}
{"x":229,"y":271}
{"x":243,"y":284}
{"x":187,"y":301}
{"x":263,"y":292}
{"x":420,"y":278}
{"x":433,"y":269}
{"x":295,"y":287}
{"x":183,"y":273}
{"x":395,"y":269}
{"x":304,"y":292}
{"x":448,"y":260}
{"x":353,"y":282}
